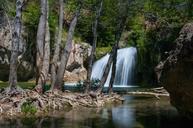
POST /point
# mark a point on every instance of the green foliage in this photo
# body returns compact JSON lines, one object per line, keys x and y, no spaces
{"x":31,"y":14}
{"x":153,"y":32}
{"x":7,"y":6}
{"x":53,"y":18}
{"x":28,"y":108}
{"x":152,"y":26}
{"x":101,"y":51}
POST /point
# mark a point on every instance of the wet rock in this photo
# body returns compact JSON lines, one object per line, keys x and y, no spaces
{"x":177,"y":72}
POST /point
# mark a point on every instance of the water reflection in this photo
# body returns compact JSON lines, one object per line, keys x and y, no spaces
{"x":134,"y":113}
{"x":123,"y":117}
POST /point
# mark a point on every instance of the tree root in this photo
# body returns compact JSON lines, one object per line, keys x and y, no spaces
{"x":56,"y":100}
{"x":9,"y":91}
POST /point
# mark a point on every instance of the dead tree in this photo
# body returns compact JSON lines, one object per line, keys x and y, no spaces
{"x":55,"y":58}
{"x":43,"y":53}
{"x":66,"y":52}
{"x":98,"y":13}
{"x":15,"y":47}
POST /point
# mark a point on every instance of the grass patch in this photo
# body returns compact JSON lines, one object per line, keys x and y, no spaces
{"x":24,"y":85}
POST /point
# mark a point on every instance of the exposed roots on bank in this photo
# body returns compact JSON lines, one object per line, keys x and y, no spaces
{"x":17,"y":102}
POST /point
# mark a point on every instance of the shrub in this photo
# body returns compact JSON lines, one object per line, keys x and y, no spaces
{"x":28,"y":108}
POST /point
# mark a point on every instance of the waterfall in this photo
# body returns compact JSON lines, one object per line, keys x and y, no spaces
{"x":126,"y":60}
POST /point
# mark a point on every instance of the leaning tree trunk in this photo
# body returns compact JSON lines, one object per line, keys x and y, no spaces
{"x":98,"y":13}
{"x":40,"y":44}
{"x":114,"y":54}
{"x":15,"y":47}
{"x":66,"y":52}
{"x":106,"y":72}
{"x":43,"y":76}
{"x":57,"y":46}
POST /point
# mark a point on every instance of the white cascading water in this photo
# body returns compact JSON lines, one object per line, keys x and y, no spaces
{"x":126,"y":60}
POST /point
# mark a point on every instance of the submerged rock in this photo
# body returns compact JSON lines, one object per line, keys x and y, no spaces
{"x":177,"y":72}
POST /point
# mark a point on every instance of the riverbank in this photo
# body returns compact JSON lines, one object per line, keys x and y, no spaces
{"x":135,"y":112}
{"x":31,"y":102}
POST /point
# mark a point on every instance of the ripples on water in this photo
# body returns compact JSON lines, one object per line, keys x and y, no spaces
{"x":133,"y":113}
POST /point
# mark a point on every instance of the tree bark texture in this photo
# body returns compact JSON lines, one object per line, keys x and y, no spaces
{"x":98,"y":13}
{"x":66,"y":52}
{"x":41,"y":33}
{"x":43,"y":76}
{"x":15,"y":46}
{"x":55,"y":58}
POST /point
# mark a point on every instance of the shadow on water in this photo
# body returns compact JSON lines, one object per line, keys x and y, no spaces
{"x":135,"y":112}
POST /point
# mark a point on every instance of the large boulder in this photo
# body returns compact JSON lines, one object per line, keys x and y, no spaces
{"x":177,"y":72}
{"x":76,"y":66}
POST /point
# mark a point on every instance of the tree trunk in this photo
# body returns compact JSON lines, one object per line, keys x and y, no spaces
{"x":43,"y":77}
{"x":114,"y":56}
{"x":15,"y":47}
{"x":122,"y":18}
{"x":106,"y":72}
{"x":41,"y":33}
{"x":57,"y":46}
{"x":66,"y":52}
{"x":98,"y":13}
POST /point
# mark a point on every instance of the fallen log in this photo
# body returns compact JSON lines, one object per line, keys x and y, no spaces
{"x":151,"y":94}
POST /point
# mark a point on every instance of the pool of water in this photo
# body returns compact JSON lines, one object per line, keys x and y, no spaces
{"x":135,"y":112}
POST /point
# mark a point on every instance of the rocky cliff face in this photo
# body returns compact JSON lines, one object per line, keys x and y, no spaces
{"x":76,"y":67}
{"x":177,"y":72}
{"x":75,"y":71}
{"x":25,"y":69}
